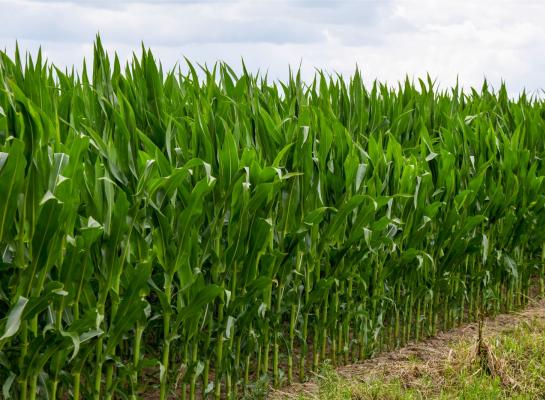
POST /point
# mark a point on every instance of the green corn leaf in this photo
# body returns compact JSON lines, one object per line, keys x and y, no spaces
{"x":14,"y":318}
{"x":12,"y":167}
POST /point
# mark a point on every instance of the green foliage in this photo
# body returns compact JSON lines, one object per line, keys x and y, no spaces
{"x":221,"y":230}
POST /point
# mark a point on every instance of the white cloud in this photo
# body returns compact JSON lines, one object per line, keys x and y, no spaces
{"x":388,"y":39}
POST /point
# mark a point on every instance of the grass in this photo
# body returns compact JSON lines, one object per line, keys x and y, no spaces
{"x":519,"y":372}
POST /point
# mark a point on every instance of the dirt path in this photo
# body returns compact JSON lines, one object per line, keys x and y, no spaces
{"x":431,"y":353}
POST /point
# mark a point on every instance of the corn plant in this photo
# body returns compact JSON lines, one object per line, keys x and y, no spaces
{"x":198,"y":231}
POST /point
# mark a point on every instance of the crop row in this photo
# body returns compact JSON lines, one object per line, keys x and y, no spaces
{"x":210,"y":231}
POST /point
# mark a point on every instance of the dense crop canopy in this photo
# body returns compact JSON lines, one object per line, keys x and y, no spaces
{"x":207,"y":231}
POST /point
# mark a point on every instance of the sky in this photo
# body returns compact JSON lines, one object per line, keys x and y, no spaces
{"x":386,"y":39}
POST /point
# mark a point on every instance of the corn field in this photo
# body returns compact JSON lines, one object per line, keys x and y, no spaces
{"x":194,"y":234}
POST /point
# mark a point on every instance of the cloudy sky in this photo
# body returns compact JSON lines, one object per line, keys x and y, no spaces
{"x":387,"y":39}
